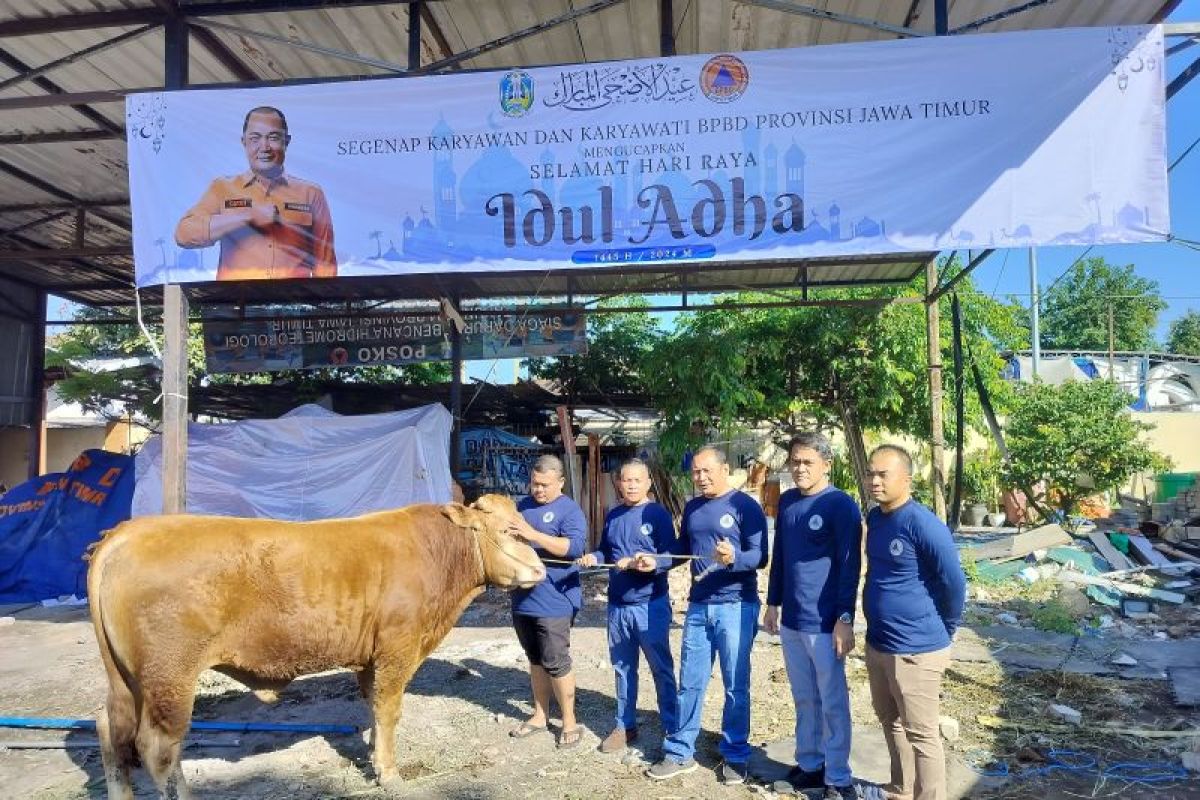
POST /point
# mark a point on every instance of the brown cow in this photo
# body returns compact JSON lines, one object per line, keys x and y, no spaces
{"x":266,"y":601}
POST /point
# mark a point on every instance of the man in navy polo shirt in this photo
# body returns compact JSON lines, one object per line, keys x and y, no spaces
{"x":637,"y":534}
{"x":815,"y":567}
{"x":913,"y":601}
{"x":727,"y":528}
{"x":554,"y":525}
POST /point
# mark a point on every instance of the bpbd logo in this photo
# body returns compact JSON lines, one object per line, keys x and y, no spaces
{"x":516,"y":93}
{"x":724,"y":78}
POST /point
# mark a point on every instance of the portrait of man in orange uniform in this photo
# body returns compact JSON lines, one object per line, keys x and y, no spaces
{"x":270,"y":224}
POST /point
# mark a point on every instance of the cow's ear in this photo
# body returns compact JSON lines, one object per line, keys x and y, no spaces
{"x":461,"y":516}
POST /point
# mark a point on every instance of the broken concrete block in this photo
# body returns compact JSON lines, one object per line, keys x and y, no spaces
{"x":1065,"y":713}
{"x":1124,"y":660}
{"x":1006,"y":618}
{"x":949,"y":728}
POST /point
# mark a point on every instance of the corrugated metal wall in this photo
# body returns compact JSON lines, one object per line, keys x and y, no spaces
{"x":18,"y":312}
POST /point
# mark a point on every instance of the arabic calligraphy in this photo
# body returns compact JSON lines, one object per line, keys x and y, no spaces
{"x":597,"y":87}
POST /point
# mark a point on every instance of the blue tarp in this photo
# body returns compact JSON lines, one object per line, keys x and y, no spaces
{"x":46,"y":525}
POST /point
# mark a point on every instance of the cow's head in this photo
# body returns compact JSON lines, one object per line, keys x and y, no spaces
{"x":507,"y":561}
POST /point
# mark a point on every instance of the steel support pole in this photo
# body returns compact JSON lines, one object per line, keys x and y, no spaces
{"x":175,"y":322}
{"x":37,"y":390}
{"x":666,"y":28}
{"x":937,"y":438}
{"x":1035,"y":312}
{"x":174,"y":399}
{"x":456,"y":363}
{"x":414,"y":35}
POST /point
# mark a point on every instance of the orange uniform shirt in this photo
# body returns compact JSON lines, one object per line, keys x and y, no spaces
{"x":298,"y":245}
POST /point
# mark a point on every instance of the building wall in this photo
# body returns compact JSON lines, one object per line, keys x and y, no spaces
{"x":63,"y":445}
{"x":1176,"y":434}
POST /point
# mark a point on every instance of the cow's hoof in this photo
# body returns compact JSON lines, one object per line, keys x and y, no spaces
{"x":391,"y":783}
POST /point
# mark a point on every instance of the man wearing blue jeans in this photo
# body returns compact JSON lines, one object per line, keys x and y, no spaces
{"x":637,"y":534}
{"x":815,"y":567}
{"x":728,"y":529}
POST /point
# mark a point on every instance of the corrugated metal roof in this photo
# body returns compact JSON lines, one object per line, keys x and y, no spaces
{"x":88,"y":170}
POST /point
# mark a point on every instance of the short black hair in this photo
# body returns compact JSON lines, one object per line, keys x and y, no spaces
{"x":549,"y":463}
{"x":264,"y":110}
{"x":632,"y":462}
{"x":811,"y":440}
{"x":905,"y":456}
{"x":717,"y":453}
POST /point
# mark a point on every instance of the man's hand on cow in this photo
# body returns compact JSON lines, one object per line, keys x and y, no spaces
{"x":587,"y":560}
{"x":518,"y":527}
{"x":645,"y":562}
{"x":771,"y":620}
{"x":723,"y":554}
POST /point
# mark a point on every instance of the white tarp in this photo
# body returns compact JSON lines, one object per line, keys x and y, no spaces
{"x":309,"y":464}
{"x":997,"y":140}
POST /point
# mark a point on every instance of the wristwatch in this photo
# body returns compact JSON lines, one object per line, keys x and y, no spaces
{"x":846,"y":618}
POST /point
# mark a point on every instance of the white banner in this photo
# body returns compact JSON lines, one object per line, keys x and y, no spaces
{"x":1004,"y":140}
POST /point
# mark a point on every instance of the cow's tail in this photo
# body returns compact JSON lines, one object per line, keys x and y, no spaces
{"x":117,"y":722}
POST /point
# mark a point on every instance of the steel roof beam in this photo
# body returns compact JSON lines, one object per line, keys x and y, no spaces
{"x":789,"y":7}
{"x":88,"y":20}
{"x":332,"y":52}
{"x":516,"y":36}
{"x":999,"y":15}
{"x":1183,"y":79}
{"x":107,"y":202}
{"x":54,"y":191}
{"x":116,"y":41}
{"x":65,"y":254}
{"x":60,"y":137}
{"x":11,"y":232}
{"x":16,"y":64}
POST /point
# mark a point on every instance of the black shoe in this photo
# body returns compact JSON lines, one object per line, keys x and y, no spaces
{"x":731,"y":773}
{"x":801,"y":779}
{"x":842,"y":792}
{"x":669,"y":768}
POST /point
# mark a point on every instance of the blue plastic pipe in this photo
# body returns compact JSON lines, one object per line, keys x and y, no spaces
{"x":243,"y":727}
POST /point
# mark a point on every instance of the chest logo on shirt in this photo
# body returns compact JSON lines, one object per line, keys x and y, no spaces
{"x":238,"y":202}
{"x":647,"y":529}
{"x":304,"y":207}
{"x":726,"y":521}
{"x":815,"y":522}
{"x":548,"y":517}
{"x":896,"y":548}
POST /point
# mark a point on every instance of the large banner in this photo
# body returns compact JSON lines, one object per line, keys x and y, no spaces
{"x":283,"y":340}
{"x":1002,"y":140}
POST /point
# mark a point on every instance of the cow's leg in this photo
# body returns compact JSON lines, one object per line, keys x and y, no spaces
{"x":391,"y":678}
{"x":366,"y":685}
{"x":166,"y":717}
{"x":116,"y":726}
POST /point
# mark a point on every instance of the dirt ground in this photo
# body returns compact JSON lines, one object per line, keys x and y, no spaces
{"x":453,"y":738}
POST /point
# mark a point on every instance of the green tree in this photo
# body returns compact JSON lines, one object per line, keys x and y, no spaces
{"x":1075,"y":309}
{"x":1184,"y":335}
{"x":1070,"y":441}
{"x":618,"y":344}
{"x":807,"y":366}
{"x":139,"y":388}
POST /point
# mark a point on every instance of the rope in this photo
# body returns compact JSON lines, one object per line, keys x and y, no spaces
{"x":1072,"y":761}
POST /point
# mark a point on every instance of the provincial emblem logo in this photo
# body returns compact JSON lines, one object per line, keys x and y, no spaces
{"x":516,"y":93}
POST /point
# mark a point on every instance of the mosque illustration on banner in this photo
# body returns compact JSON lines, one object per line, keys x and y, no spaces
{"x":455,"y":226}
